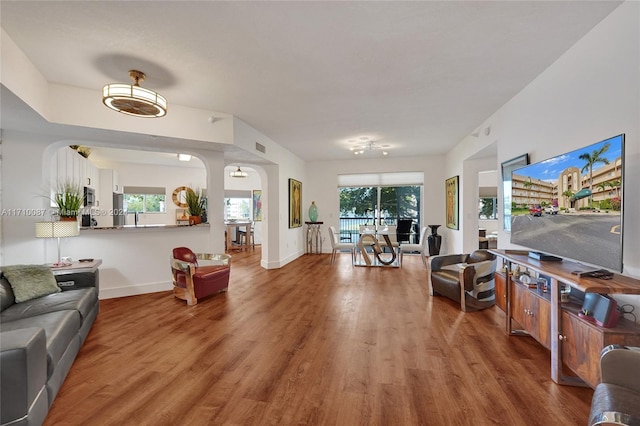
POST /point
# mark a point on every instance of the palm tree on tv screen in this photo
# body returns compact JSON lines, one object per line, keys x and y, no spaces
{"x":527,"y":185}
{"x":594,"y":158}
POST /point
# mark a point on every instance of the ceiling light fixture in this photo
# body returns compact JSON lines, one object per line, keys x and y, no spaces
{"x":133,"y":99}
{"x":361,"y":148}
{"x":184,"y":157}
{"x":238,"y":173}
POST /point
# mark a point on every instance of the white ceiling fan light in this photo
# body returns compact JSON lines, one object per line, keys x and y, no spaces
{"x":131,"y":99}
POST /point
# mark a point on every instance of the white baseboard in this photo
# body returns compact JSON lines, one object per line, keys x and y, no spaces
{"x":133,"y":290}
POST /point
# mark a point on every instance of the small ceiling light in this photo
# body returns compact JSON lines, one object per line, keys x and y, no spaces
{"x":238,"y":173}
{"x":184,"y":157}
{"x":133,"y":99}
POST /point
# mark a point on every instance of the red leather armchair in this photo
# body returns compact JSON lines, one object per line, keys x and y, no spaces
{"x":191,"y":281}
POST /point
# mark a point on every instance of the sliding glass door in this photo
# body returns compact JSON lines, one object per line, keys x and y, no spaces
{"x":377,"y":205}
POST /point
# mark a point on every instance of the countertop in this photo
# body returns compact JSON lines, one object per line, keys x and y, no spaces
{"x":129,"y":227}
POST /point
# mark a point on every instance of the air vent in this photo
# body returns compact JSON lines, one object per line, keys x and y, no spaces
{"x":261,"y":148}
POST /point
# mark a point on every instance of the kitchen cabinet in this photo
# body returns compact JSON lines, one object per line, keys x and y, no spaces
{"x":69,"y":166}
{"x":109,"y":182}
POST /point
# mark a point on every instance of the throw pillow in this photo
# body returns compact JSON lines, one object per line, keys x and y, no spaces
{"x":30,"y":281}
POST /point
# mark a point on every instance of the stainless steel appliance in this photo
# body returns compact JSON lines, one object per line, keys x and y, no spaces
{"x":118,"y":210}
{"x":89,"y":196}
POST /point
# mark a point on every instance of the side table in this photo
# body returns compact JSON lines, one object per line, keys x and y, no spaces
{"x":78,"y":275}
{"x":314,"y":239}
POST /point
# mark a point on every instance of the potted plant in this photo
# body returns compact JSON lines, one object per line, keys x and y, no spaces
{"x":195,"y":204}
{"x":69,"y":199}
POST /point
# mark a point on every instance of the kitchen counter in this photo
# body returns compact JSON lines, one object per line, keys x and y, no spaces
{"x":133,"y":227}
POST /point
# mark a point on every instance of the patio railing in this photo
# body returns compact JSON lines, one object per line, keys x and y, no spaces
{"x":350,"y":226}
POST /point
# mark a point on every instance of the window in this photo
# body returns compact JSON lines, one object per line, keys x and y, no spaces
{"x":487,"y":208}
{"x":378,"y":198}
{"x":144,"y":199}
{"x":237,"y":204}
{"x":380,"y":205}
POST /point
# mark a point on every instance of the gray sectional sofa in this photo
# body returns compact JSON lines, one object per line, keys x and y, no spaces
{"x":39,"y":341}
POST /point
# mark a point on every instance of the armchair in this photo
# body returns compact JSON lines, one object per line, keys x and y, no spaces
{"x":464,"y":278}
{"x":616,"y":399}
{"x":192,"y":281}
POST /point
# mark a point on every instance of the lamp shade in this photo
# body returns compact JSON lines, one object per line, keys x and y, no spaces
{"x":57,"y":229}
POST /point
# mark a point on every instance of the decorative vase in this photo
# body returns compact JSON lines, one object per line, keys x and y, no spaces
{"x":313,"y":212}
{"x":434,"y":240}
{"x":195,"y":220}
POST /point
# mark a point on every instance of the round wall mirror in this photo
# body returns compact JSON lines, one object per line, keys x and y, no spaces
{"x":179,"y":197}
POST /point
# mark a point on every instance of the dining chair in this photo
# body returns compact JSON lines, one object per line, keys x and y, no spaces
{"x":420,"y":247}
{"x":403,"y":231}
{"x":242,"y":233}
{"x":337,"y":245}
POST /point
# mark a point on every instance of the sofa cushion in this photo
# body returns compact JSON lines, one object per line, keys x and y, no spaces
{"x":60,"y":329}
{"x":6,"y":294}
{"x":30,"y":281}
{"x":82,"y":300}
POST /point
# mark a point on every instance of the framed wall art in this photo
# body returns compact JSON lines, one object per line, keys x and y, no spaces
{"x":451,"y":192}
{"x":295,"y":203}
{"x":507,"y":168}
{"x":256,"y":196}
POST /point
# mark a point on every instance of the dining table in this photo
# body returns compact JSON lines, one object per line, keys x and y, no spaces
{"x":233,"y":226}
{"x":376,"y":256}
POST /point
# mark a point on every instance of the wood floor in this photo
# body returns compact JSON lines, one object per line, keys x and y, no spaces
{"x":311,"y":344}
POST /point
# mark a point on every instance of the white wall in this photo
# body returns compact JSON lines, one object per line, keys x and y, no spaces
{"x":322,"y":188}
{"x":591,"y":93}
{"x":281,"y":244}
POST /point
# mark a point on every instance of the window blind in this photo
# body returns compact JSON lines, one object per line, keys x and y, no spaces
{"x":381,"y":179}
{"x":146,"y":190}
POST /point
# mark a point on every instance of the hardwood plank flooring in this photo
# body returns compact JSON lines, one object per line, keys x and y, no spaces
{"x":311,"y":344}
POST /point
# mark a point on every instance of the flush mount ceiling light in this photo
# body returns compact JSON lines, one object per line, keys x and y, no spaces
{"x":184,"y":157}
{"x":238,"y":173}
{"x":133,"y":99}
{"x":360,"y":148}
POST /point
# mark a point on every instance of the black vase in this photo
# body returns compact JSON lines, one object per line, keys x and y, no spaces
{"x":434,"y":240}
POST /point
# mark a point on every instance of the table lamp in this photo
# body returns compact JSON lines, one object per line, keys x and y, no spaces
{"x":57,"y":230}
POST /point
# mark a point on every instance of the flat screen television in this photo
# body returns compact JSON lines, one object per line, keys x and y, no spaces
{"x":571,"y":205}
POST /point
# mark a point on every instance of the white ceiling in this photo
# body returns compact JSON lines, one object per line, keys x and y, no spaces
{"x":417,"y":76}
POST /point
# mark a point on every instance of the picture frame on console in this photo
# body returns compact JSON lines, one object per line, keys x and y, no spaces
{"x":451,"y":202}
{"x":507,"y":167}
